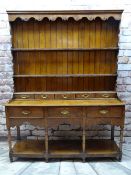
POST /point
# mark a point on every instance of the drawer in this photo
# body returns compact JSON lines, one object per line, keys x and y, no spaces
{"x":84,"y":95}
{"x":105,"y":95}
{"x":64,"y":96}
{"x":23,"y":96}
{"x":55,"y":122}
{"x":44,"y":96}
{"x":104,"y":111}
{"x":23,"y":112}
{"x":64,"y":112}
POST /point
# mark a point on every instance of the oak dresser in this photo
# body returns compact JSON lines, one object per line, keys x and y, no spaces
{"x":65,"y":71}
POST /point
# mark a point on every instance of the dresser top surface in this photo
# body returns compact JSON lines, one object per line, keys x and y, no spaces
{"x":98,"y":102}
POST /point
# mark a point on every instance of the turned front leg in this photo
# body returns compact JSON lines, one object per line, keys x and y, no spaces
{"x":46,"y":140}
{"x":120,"y":143}
{"x":18,"y":133}
{"x":83,"y":139}
{"x":112,"y":132}
{"x":10,"y":144}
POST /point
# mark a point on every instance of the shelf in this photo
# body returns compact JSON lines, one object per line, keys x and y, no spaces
{"x":63,"y":49}
{"x":65,"y":147}
{"x":31,"y":148}
{"x":67,"y":75}
{"x":101,"y":148}
{"x":63,"y":92}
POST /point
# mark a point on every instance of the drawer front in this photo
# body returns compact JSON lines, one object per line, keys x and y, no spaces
{"x":25,"y":112}
{"x":105,"y":95}
{"x":104,"y":111}
{"x":44,"y":96}
{"x":23,"y":96}
{"x":64,"y":112}
{"x":84,"y":95}
{"x":53,"y":122}
{"x":64,"y":96}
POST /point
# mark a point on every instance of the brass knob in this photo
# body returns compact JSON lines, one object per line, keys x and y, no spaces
{"x":65,"y":112}
{"x":85,"y":95}
{"x":105,"y":95}
{"x":64,"y":96}
{"x":103,"y":111}
{"x":24,"y":96}
{"x":44,"y":96}
{"x":26,"y":112}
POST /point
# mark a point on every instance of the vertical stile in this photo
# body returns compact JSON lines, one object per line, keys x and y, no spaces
{"x":14,"y":34}
{"x":14,"y":45}
{"x":114,"y":37}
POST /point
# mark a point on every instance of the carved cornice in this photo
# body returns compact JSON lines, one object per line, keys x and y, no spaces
{"x":65,"y":15}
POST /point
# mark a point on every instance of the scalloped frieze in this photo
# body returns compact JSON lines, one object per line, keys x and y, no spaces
{"x":110,"y":121}
{"x":19,"y":122}
{"x":53,"y":17}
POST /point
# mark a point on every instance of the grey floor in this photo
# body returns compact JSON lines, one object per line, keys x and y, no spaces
{"x":67,"y":167}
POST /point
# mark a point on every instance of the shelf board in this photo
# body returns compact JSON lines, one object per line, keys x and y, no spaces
{"x":101,"y":148}
{"x":63,"y":49}
{"x":67,"y":75}
{"x":25,"y":148}
{"x":59,"y":148}
{"x":65,"y":147}
{"x":94,"y":148}
{"x":65,"y":92}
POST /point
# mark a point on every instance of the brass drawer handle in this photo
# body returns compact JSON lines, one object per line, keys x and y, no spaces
{"x":44,"y":96}
{"x":24,"y":96}
{"x":105,"y":95}
{"x":103,"y":111}
{"x":65,"y":112}
{"x":64,"y":96}
{"x":85,"y":95}
{"x":26,"y":112}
